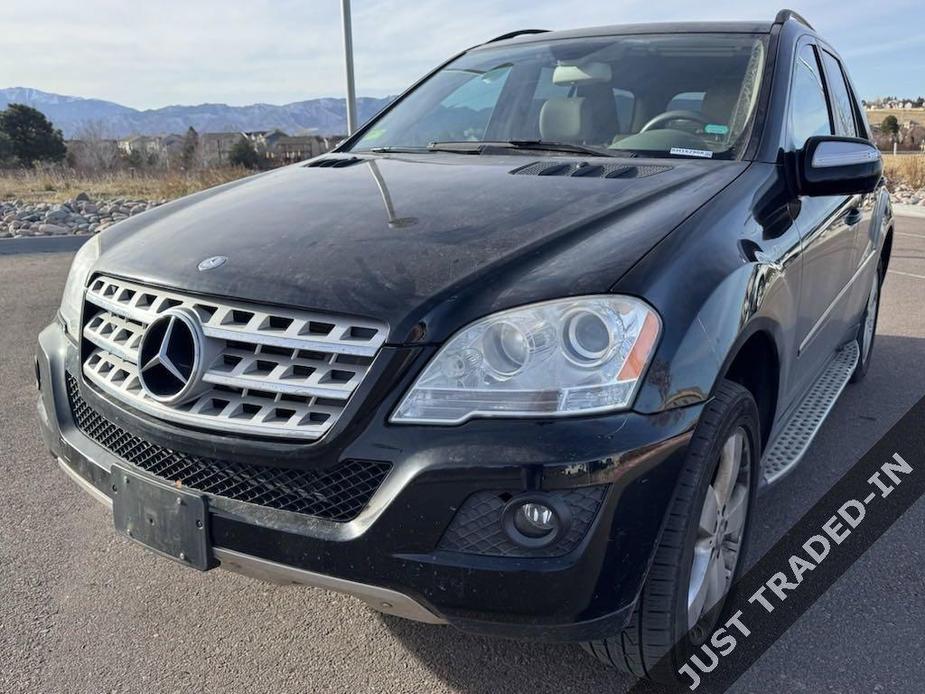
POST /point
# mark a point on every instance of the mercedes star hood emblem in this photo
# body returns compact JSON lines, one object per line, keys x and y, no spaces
{"x":212,"y":263}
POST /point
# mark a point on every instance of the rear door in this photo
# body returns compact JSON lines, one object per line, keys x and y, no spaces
{"x":828,"y":225}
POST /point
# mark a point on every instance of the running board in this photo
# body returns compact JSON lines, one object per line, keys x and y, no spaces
{"x":791,"y":444}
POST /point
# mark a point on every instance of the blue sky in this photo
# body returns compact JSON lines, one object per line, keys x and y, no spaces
{"x":153,"y":54}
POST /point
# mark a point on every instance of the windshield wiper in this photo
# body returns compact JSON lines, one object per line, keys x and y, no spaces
{"x":563,"y":147}
{"x":478,"y":146}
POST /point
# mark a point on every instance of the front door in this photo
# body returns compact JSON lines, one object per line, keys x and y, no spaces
{"x":828,"y":226}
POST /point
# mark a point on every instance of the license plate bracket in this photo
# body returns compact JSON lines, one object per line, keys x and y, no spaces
{"x":171,"y":521}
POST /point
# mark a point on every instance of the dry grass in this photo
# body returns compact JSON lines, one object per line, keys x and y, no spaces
{"x":905,"y":168}
{"x":58,"y":185}
{"x":875,"y":116}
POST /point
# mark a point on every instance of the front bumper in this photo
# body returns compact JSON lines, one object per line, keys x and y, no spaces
{"x":388,"y":555}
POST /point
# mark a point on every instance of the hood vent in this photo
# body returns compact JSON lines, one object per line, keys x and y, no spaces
{"x":585,"y":170}
{"x":333,"y":163}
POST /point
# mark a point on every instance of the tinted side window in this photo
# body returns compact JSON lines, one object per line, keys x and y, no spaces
{"x":547,"y":89}
{"x":841,"y":98}
{"x":462,"y":114}
{"x":809,"y":114}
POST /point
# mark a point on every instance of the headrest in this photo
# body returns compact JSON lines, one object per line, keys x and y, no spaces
{"x":565,"y":119}
{"x":719,"y":102}
{"x":587,"y":73}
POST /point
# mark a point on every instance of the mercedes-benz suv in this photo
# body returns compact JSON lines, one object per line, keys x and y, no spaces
{"x":517,"y":356}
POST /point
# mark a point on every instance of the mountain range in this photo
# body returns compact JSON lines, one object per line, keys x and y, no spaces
{"x":73,"y":115}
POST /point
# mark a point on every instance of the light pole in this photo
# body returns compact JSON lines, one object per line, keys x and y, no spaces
{"x":348,"y":60}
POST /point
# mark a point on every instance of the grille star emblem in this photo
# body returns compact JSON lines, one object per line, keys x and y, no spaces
{"x":169,"y":356}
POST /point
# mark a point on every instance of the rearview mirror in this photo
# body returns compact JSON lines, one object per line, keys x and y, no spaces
{"x":838,"y":166}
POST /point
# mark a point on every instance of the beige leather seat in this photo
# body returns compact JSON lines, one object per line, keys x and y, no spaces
{"x":589,"y":115}
{"x":720,"y":101}
{"x":565,"y":119}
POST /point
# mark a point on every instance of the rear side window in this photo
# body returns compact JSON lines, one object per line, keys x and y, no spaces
{"x":809,"y":114}
{"x":479,"y":93}
{"x":547,"y":89}
{"x":842,"y":110}
{"x":467,"y":103}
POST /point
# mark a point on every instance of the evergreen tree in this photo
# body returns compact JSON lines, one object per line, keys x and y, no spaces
{"x":189,"y":156}
{"x":890,"y":125}
{"x":243,"y":153}
{"x":31,"y":135}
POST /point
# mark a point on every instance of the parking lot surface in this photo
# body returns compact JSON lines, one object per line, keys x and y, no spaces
{"x":82,"y":610}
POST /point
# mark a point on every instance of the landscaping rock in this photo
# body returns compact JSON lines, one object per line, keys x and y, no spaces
{"x":53,"y":230}
{"x":55,"y":216}
{"x":82,"y":215}
{"x":904,"y":194}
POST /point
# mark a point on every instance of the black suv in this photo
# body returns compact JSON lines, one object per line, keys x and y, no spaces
{"x":516,"y":357}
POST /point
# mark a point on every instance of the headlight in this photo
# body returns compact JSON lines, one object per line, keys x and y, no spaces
{"x":73,"y":296}
{"x":566,"y":357}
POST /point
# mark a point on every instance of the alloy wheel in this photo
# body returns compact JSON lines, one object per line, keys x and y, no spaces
{"x":721,"y":528}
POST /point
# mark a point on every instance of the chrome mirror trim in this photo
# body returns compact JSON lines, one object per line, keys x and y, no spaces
{"x":833,"y":154}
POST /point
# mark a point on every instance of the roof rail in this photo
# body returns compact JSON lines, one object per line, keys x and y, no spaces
{"x":520,"y":32}
{"x":784,"y":15}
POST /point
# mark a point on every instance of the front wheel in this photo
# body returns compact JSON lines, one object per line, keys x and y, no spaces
{"x":701,"y":549}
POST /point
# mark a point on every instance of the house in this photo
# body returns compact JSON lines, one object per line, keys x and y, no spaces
{"x":287,"y":149}
{"x":264,"y":141}
{"x":160,"y":150}
{"x":215,"y":148}
{"x":145,"y":145}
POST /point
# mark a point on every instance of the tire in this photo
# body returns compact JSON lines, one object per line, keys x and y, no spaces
{"x":661,"y":616}
{"x":866,"y":340}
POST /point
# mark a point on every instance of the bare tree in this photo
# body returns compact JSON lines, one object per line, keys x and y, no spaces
{"x":93,"y":150}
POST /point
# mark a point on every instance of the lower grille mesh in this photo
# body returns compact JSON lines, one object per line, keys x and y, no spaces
{"x":477,"y":528}
{"x":337,"y":494}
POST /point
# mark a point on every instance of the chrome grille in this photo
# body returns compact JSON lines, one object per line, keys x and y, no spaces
{"x":272,"y":372}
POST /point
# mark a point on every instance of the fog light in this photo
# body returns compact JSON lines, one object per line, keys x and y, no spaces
{"x":535,"y":520}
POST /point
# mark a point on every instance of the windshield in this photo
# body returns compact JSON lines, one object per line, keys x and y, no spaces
{"x":656,"y":95}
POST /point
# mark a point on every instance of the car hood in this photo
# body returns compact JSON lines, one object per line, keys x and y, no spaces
{"x":424,"y":242}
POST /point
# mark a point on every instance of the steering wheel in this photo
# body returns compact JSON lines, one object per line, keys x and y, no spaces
{"x":668,"y":116}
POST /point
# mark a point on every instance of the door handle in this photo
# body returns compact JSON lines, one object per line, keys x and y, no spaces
{"x":853,"y":217}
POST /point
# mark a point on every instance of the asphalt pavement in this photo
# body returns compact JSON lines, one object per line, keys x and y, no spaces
{"x":82,"y":610}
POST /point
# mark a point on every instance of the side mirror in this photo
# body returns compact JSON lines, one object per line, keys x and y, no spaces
{"x":838,"y":166}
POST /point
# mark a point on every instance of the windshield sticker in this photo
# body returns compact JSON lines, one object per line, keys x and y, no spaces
{"x":716,"y":129}
{"x":685,"y":152}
